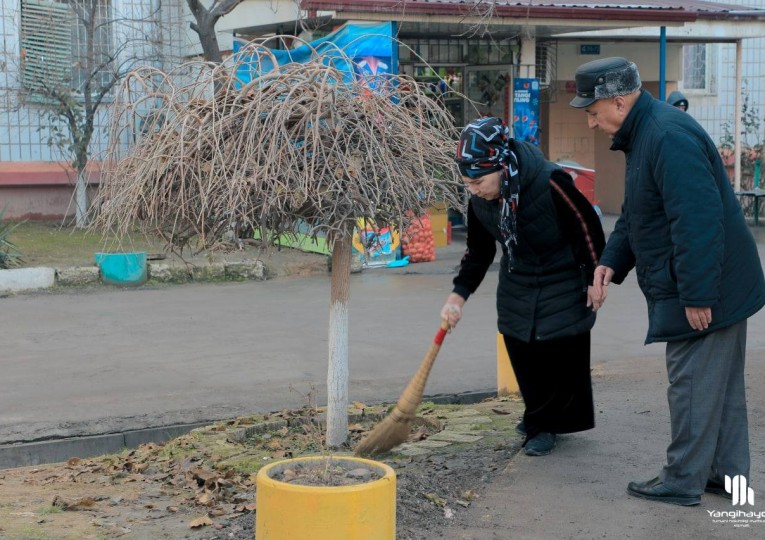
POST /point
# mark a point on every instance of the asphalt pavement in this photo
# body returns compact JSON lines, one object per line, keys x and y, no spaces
{"x":115,"y":364}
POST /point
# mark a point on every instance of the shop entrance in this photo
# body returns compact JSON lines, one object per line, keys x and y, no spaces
{"x":489,"y":92}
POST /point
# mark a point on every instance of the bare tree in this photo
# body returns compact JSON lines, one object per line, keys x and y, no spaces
{"x":73,"y":54}
{"x":302,"y":147}
{"x":206,"y":19}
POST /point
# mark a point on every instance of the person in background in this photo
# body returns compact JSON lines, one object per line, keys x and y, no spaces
{"x":677,"y":99}
{"x":683,"y":231}
{"x":551,"y":241}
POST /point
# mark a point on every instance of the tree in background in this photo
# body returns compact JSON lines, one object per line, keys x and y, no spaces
{"x":301,"y":149}
{"x":73,"y":53}
{"x":206,"y":19}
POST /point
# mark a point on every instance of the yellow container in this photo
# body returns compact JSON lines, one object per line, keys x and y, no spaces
{"x":439,"y":223}
{"x":357,"y":512}
{"x":506,"y":381}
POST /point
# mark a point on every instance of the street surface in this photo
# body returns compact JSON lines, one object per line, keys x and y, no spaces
{"x":108,"y":360}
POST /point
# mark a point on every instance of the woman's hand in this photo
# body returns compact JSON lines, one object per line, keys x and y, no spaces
{"x":452,"y":310}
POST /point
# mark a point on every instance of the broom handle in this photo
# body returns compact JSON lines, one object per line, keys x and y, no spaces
{"x":412,"y":396}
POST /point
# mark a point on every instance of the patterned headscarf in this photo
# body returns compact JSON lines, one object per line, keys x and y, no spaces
{"x":485,"y":147}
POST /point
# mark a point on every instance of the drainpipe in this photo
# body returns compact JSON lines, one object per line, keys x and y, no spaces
{"x":738,"y":122}
{"x":662,"y":63}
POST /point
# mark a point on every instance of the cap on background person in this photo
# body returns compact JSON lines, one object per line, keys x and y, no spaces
{"x":677,"y":99}
{"x":604,"y":78}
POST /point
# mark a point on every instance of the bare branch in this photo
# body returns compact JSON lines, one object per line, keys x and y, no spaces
{"x":294,"y":148}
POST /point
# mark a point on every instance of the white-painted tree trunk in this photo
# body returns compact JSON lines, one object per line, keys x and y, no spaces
{"x":337,"y":372}
{"x":81,"y":199}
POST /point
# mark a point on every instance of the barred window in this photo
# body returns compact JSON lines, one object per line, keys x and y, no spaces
{"x":54,"y":44}
{"x":699,"y":65}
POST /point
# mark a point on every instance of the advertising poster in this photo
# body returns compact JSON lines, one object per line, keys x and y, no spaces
{"x":370,"y":47}
{"x":526,"y":110}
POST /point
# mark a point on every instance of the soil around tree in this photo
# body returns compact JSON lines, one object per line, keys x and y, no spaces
{"x":202,"y":485}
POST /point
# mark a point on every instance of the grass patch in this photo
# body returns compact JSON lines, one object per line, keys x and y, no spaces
{"x":57,"y":245}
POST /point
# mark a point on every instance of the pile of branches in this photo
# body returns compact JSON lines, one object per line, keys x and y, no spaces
{"x":199,"y":150}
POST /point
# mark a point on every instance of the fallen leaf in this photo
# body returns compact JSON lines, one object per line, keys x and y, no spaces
{"x":200,"y":522}
{"x":419,"y":435}
{"x":172,"y":509}
{"x":501,"y":411}
{"x":79,"y":504}
{"x":435,"y":499}
{"x":470,"y":495}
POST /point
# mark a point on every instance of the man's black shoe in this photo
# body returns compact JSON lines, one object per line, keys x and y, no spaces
{"x":716,"y":488}
{"x":655,"y":490}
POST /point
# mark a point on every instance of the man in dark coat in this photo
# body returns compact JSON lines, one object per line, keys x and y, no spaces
{"x":677,"y":99}
{"x":682,"y":229}
{"x":551,"y":239}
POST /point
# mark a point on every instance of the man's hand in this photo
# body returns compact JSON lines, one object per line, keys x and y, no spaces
{"x":598,"y":291}
{"x":452,"y":310}
{"x":699,"y":317}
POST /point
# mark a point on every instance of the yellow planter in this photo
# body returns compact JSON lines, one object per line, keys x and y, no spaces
{"x":356,"y":512}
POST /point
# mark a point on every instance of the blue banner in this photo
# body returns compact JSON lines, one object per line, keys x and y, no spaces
{"x":370,"y":47}
{"x":526,"y":110}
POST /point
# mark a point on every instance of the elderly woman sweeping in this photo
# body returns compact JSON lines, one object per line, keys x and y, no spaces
{"x":551,"y":240}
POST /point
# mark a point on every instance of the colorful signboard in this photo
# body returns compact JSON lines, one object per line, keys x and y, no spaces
{"x":526,"y":110}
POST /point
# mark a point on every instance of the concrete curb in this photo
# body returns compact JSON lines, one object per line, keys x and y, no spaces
{"x":58,"y":450}
{"x":24,"y":279}
{"x":39,"y":278}
{"x":53,"y":451}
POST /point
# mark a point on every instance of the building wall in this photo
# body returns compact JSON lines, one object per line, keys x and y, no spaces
{"x":33,"y":180}
{"x":713,"y":110}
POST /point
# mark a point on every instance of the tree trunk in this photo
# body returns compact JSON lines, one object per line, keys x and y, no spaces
{"x":81,"y":199}
{"x":337,"y":373}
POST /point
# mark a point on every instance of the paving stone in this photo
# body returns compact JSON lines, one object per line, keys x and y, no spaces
{"x":463,"y":428}
{"x":469,"y":420}
{"x":462,"y":412}
{"x":430,"y":443}
{"x":452,"y":436}
{"x":409,"y":450}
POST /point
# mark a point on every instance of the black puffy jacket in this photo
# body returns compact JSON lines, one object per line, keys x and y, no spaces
{"x":544,"y":295}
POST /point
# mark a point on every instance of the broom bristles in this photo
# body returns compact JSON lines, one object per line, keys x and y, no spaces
{"x":394,"y":429}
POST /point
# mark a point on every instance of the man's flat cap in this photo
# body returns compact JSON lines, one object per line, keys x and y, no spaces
{"x":604,"y":78}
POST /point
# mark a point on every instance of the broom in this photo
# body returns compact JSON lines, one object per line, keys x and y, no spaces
{"x":394,"y":429}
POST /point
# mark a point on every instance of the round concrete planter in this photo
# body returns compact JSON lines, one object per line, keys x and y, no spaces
{"x":365,"y":510}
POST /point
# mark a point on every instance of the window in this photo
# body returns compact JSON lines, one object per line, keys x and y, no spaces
{"x":546,"y":62}
{"x":699,"y":64}
{"x":54,"y":44}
